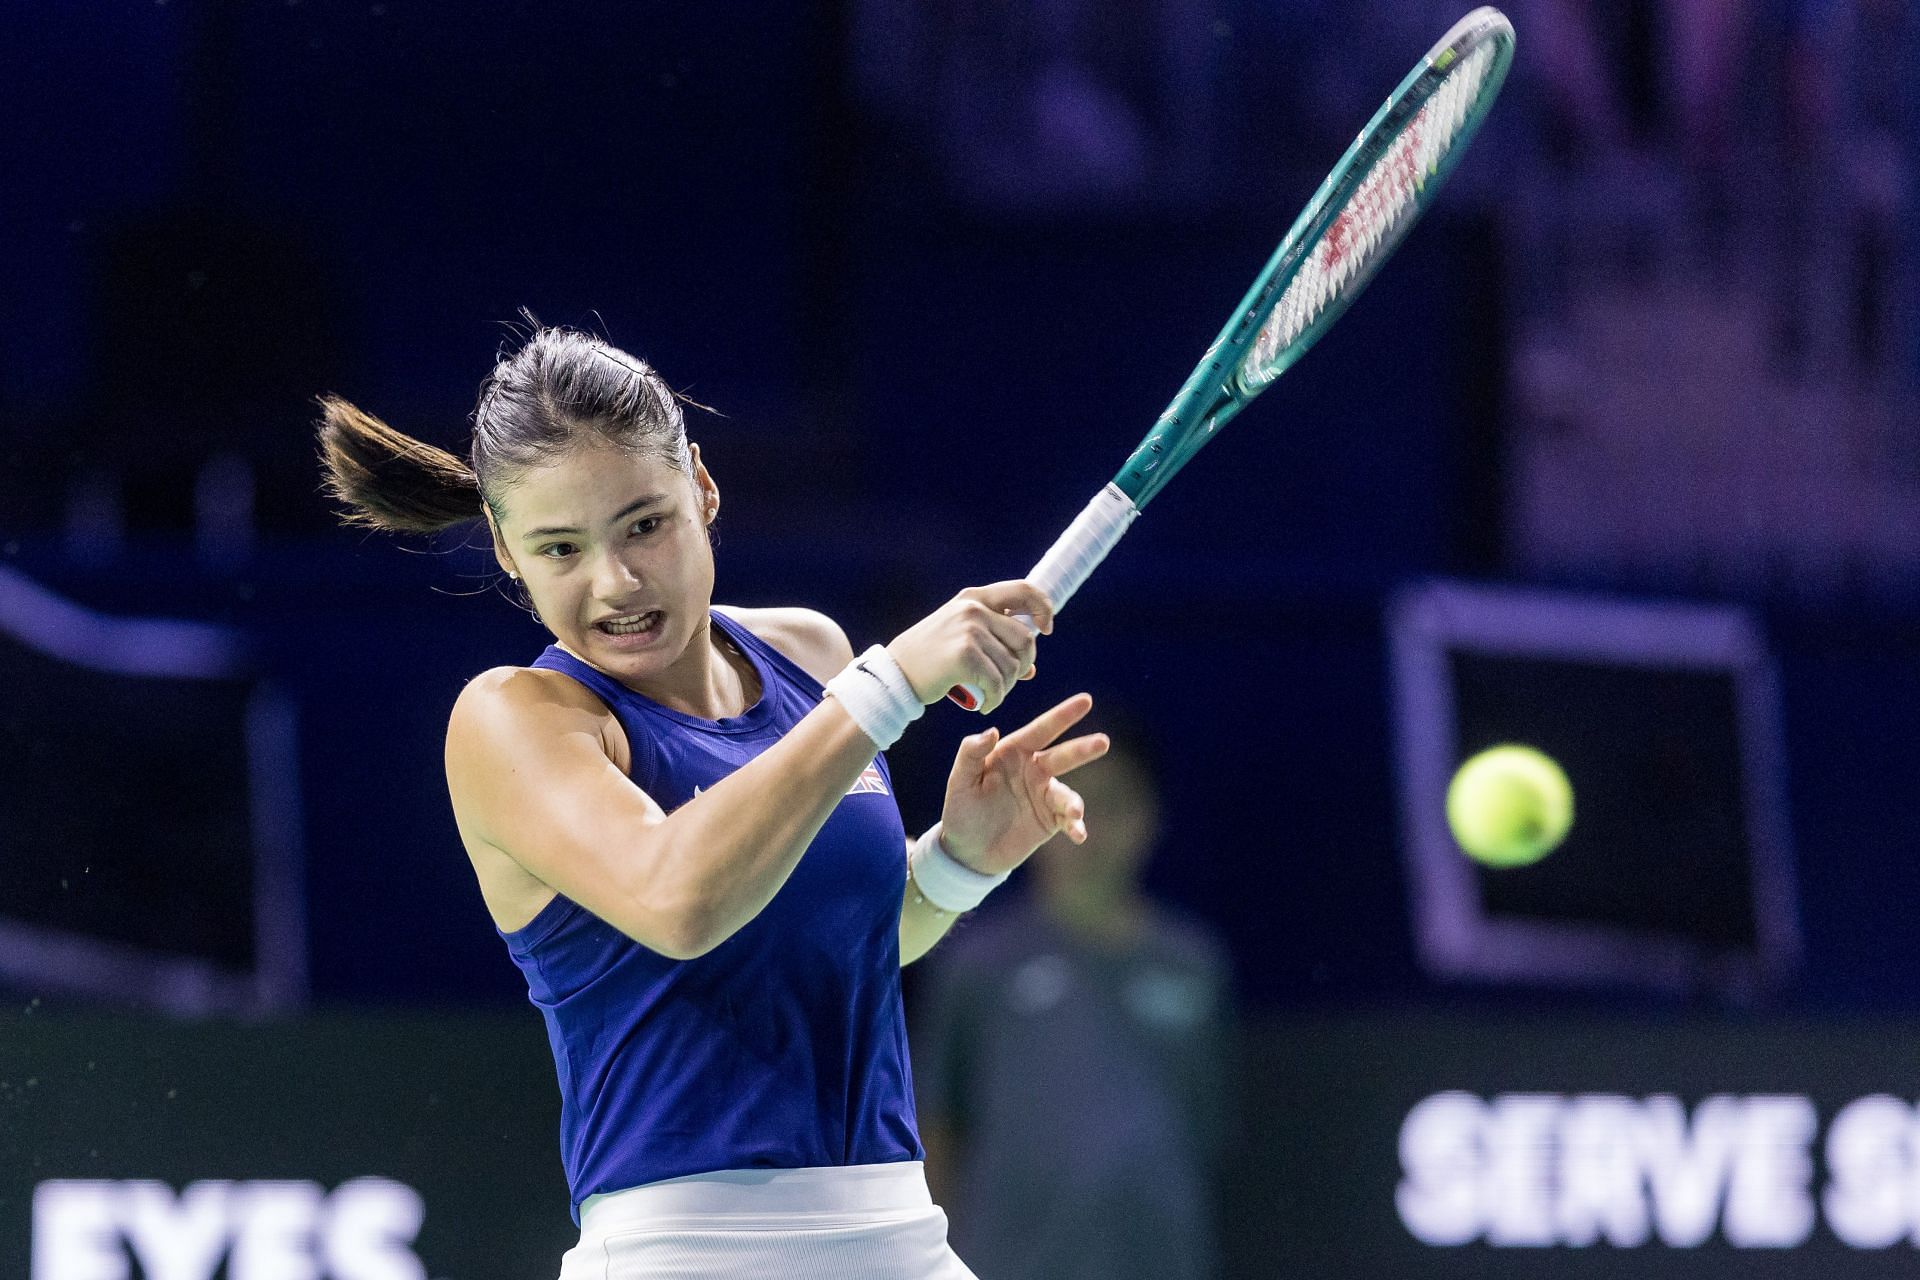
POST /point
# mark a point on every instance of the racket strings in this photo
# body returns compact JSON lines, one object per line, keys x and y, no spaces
{"x":1391,"y":188}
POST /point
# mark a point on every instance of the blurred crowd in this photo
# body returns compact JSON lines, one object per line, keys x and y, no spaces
{"x":1713,"y":267}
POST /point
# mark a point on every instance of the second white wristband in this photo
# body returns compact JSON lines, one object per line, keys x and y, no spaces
{"x":941,"y":878}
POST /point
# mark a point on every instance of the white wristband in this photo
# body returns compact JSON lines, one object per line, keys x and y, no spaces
{"x":941,"y":879}
{"x":875,"y":692}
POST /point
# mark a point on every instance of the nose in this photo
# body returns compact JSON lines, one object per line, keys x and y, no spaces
{"x":614,"y":580}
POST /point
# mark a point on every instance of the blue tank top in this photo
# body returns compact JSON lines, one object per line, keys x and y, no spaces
{"x":785,"y":1046}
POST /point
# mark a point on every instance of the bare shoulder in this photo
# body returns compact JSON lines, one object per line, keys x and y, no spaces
{"x":537,"y":770}
{"x":501,"y":706}
{"x":806,"y":637}
{"x":506,"y":701}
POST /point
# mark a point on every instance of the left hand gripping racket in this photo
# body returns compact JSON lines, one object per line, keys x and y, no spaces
{"x":1357,"y":218}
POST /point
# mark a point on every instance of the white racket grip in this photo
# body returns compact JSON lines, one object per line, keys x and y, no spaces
{"x":1070,"y":561}
{"x":1077,"y":552}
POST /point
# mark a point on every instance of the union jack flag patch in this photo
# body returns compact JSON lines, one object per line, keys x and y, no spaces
{"x":869,"y":783}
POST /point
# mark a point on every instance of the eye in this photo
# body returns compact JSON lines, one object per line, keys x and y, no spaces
{"x":555,"y":546}
{"x":647,"y":525}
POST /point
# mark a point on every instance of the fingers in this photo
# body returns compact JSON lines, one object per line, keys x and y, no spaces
{"x":978,"y":746}
{"x":975,"y":639}
{"x":1011,"y":645}
{"x":1002,"y":667}
{"x":1006,"y":617}
{"x":1006,"y":642}
{"x":971,"y":760}
{"x":1069,"y":811}
{"x":1070,"y":755}
{"x":1016,"y":595}
{"x":1012,"y":632}
{"x":1048,"y":725}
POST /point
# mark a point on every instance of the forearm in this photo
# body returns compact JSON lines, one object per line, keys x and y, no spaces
{"x":729,"y":850}
{"x":922,"y":924}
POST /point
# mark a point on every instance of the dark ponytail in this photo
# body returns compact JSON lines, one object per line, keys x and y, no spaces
{"x":388,"y":480}
{"x":561,"y":388}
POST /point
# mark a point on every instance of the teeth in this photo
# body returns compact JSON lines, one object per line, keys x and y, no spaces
{"x":628,"y":626}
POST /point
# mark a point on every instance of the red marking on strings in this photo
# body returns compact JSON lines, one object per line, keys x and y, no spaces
{"x":1339,"y":236}
{"x":1373,"y":201}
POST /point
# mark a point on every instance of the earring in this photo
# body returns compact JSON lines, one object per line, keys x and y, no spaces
{"x":521,"y":597}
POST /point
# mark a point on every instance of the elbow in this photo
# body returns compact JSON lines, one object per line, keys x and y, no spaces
{"x":666,"y":911}
{"x":683,"y":911}
{"x":671,"y":943}
{"x":676,"y":935}
{"x":686,"y":931}
{"x":684,"y":943}
{"x":677,"y":948}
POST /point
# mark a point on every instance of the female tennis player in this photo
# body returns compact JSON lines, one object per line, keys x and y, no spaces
{"x":686,"y":837}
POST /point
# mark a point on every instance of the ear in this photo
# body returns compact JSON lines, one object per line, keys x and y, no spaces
{"x":706,"y":493}
{"x":499,"y":544}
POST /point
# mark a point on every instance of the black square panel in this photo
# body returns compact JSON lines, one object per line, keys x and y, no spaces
{"x":1676,"y":872}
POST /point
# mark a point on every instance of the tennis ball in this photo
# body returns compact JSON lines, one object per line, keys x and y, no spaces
{"x":1509,"y":806}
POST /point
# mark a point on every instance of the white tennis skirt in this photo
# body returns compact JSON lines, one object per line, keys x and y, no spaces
{"x":857,"y":1222}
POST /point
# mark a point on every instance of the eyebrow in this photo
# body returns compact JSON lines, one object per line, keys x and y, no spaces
{"x":651,"y":499}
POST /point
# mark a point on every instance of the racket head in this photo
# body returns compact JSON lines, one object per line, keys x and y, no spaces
{"x":1378,"y":190}
{"x":1386,"y":180}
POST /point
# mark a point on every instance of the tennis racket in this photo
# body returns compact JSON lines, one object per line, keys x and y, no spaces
{"x":1355,"y":220}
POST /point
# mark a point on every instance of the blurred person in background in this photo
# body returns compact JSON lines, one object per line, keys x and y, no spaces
{"x":724,"y":1013}
{"x":1070,"y":1060}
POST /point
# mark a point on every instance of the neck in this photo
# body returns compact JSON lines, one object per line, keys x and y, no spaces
{"x":712,"y":679}
{"x":719,"y":679}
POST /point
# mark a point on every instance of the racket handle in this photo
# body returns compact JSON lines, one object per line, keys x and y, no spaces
{"x":1070,"y":561}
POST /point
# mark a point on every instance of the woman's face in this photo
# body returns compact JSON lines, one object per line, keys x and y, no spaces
{"x":601,"y":538}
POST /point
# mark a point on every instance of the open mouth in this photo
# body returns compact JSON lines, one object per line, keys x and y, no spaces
{"x":632,"y":625}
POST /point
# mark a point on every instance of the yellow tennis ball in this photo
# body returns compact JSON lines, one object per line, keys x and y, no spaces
{"x":1509,"y":806}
